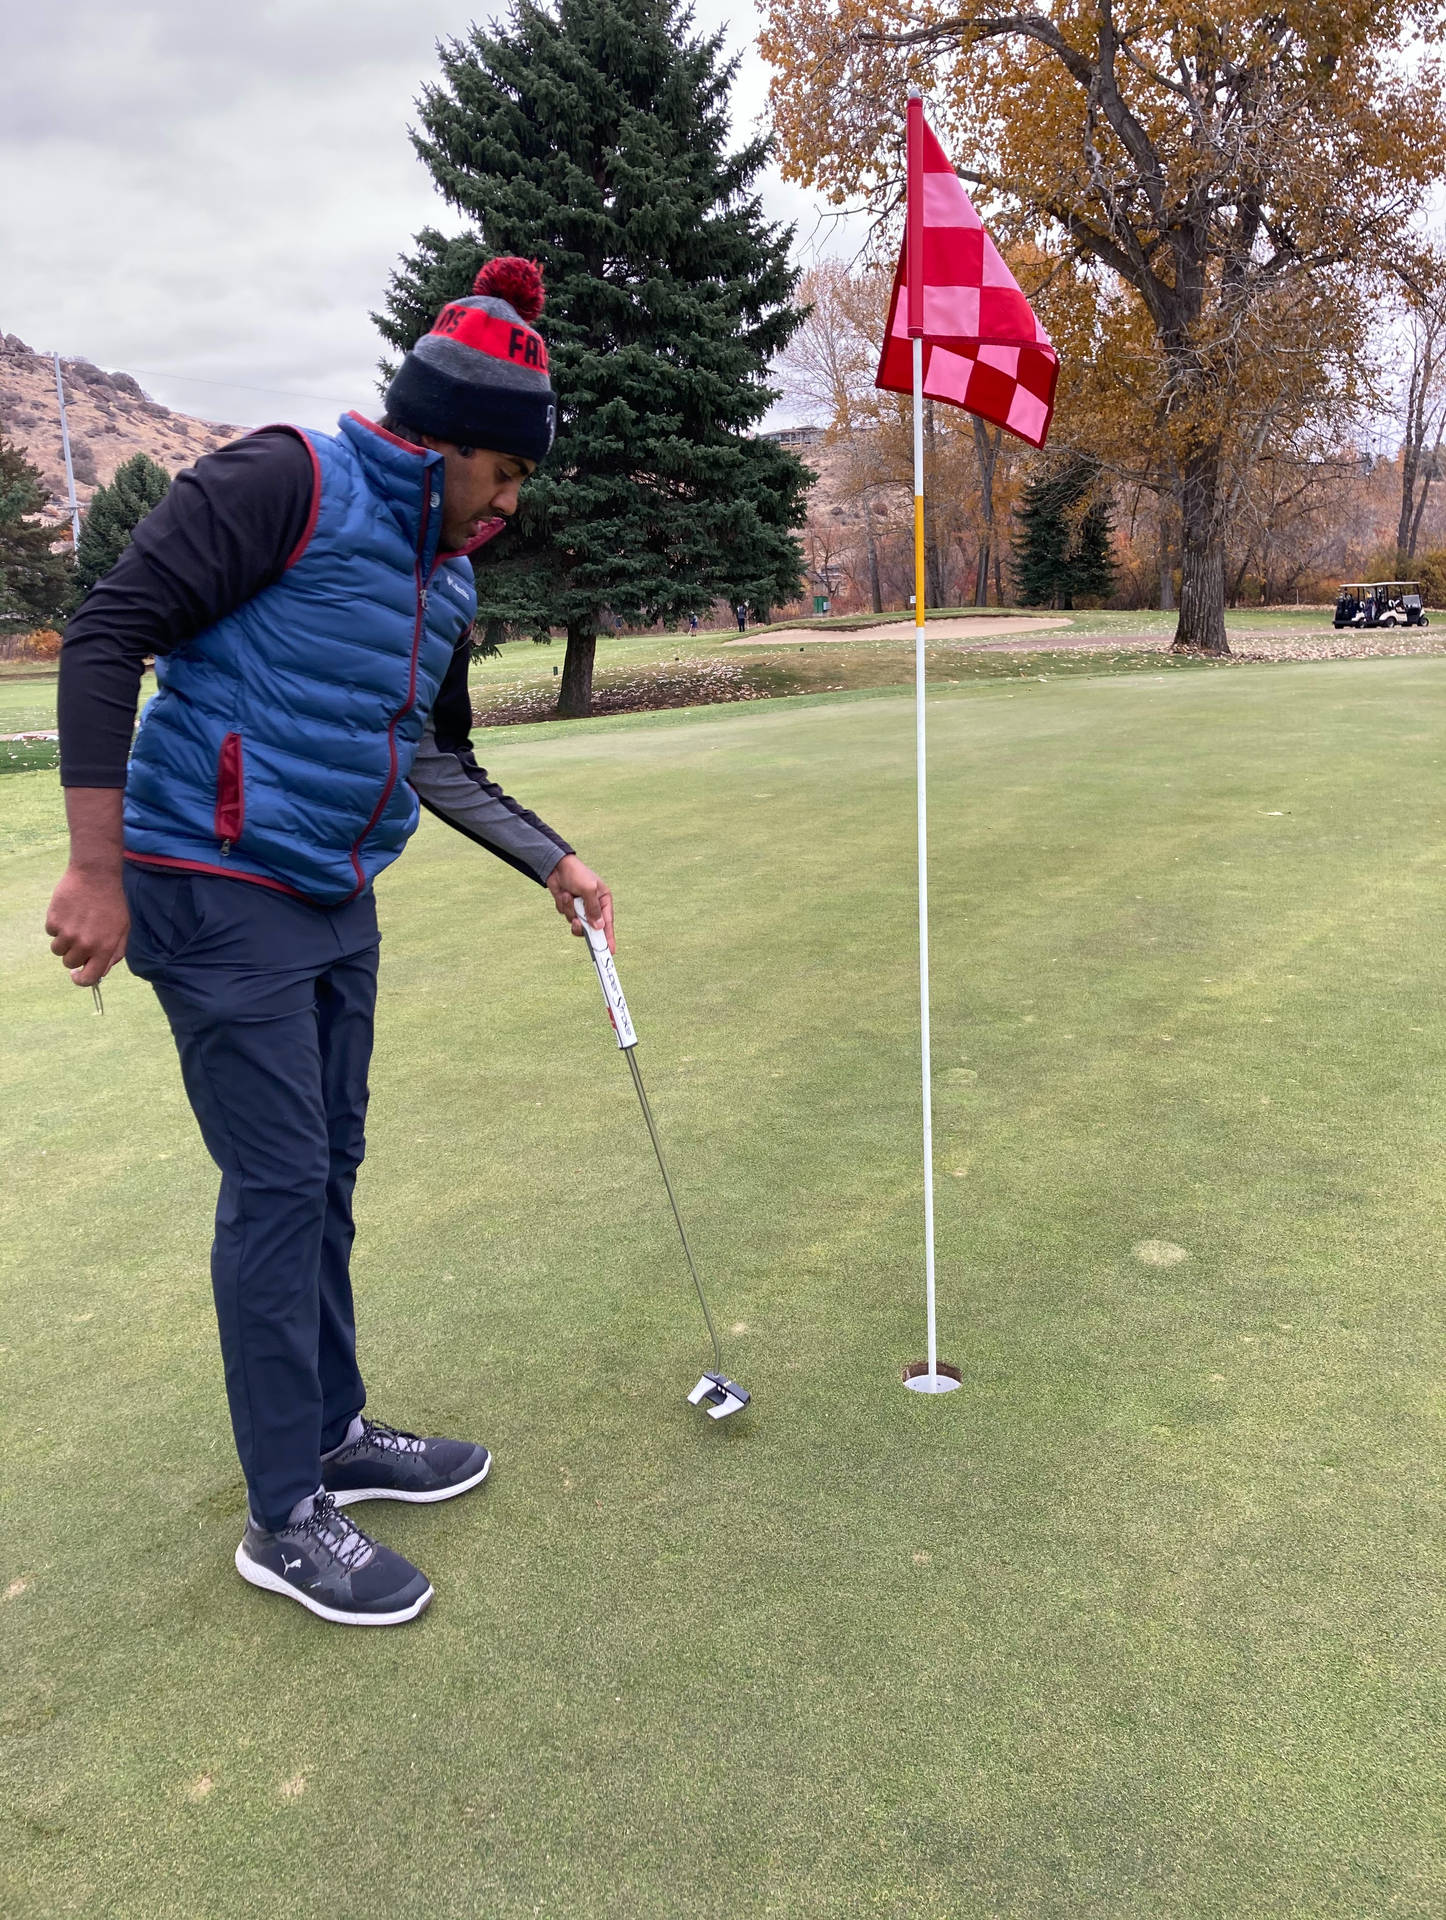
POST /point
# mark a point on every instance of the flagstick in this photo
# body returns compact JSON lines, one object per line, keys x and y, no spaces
{"x":921,"y":763}
{"x":933,"y":1381}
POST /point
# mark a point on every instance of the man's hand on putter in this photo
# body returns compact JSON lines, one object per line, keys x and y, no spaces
{"x":575,"y":887}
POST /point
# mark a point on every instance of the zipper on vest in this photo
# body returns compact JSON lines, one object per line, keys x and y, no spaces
{"x":230,"y":818}
{"x":418,"y":629}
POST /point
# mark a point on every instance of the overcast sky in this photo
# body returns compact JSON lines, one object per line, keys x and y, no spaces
{"x":210,"y":196}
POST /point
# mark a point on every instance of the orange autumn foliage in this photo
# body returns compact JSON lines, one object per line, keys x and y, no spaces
{"x":1213,"y":195}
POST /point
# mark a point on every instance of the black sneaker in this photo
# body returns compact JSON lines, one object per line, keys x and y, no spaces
{"x":333,"y":1569}
{"x":385,"y":1464}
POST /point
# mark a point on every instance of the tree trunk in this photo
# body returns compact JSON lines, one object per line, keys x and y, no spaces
{"x":1405,"y":544}
{"x":574,"y":699}
{"x":986,"y":451}
{"x":876,"y":594}
{"x":1417,"y":464}
{"x":1430,"y":470}
{"x":1201,"y":625}
{"x":933,"y":574}
{"x":933,"y":569}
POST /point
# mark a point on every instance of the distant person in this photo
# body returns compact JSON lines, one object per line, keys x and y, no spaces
{"x":742,"y":612}
{"x":310,"y":599}
{"x":692,"y":623}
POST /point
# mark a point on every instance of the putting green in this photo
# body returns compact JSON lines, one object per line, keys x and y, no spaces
{"x":1146,"y":1620}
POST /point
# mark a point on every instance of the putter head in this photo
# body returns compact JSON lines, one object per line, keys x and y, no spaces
{"x":719,"y":1395}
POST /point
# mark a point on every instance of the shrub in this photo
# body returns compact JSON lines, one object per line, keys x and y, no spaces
{"x":1430,"y":570}
{"x":43,"y":643}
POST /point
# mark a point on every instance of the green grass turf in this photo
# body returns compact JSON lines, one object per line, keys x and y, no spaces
{"x":27,"y":705}
{"x":27,"y":700}
{"x":1147,"y":1620}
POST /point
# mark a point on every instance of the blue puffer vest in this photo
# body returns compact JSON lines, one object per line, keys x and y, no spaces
{"x":278,"y":747}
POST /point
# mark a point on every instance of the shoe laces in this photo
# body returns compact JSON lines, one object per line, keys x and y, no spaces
{"x":337,"y":1535}
{"x":390,"y":1439}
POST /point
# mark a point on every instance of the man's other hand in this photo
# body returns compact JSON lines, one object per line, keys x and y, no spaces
{"x":572,"y":884}
{"x":88,"y":922}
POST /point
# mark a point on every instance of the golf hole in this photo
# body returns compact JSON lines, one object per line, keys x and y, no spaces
{"x":917,"y":1371}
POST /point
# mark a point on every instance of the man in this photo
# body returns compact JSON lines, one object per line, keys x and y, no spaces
{"x":309,"y":602}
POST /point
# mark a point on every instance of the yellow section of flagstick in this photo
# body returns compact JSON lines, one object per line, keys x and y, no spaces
{"x":918,"y":559}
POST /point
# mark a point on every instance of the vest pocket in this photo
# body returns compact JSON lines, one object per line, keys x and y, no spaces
{"x":230,"y":792}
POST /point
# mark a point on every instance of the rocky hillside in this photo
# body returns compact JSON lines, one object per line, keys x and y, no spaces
{"x":110,"y":419}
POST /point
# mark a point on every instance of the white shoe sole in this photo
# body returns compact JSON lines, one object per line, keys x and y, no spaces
{"x":349,"y":1496}
{"x":256,"y":1575}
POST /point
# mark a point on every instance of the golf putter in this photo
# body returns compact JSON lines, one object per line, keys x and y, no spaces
{"x":715,"y":1391}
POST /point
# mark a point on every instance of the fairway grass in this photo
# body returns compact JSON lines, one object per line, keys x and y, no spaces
{"x":1146,"y":1620}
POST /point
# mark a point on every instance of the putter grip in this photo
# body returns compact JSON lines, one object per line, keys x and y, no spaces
{"x":607,"y":974}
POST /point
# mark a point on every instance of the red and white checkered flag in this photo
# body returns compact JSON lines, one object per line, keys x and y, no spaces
{"x":983,"y":348}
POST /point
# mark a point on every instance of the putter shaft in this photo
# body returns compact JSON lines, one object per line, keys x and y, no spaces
{"x":630,"y":1055}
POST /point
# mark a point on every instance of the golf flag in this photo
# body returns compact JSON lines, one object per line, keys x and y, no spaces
{"x":983,"y":348}
{"x":961,"y":331}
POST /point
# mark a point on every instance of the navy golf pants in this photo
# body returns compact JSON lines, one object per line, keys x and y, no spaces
{"x":271,"y":1004}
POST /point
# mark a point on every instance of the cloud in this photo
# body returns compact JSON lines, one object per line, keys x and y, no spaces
{"x":212,"y":196}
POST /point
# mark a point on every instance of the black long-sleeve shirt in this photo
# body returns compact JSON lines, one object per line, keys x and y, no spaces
{"x":225,"y":531}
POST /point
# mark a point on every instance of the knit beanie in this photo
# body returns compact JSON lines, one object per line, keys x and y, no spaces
{"x":479,"y":378}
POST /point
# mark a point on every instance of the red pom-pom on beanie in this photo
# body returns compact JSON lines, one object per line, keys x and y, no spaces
{"x":518,"y":282}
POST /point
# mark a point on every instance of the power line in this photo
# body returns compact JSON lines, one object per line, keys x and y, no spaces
{"x":240,"y":386}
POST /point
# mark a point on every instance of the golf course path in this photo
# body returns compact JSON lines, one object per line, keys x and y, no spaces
{"x":963,"y":628}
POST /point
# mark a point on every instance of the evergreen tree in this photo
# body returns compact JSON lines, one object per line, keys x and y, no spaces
{"x":114,"y":514}
{"x":591,"y":136}
{"x":1092,"y":557}
{"x":34,"y":580}
{"x":1062,"y":543}
{"x":1043,"y":576}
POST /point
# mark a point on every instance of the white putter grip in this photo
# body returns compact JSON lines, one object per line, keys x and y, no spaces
{"x":607,"y":974}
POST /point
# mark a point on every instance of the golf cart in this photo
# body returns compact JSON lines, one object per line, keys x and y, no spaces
{"x":1380,"y":603}
{"x":1398,"y":604}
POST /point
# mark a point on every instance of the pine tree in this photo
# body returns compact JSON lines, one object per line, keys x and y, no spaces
{"x":1063,"y":543}
{"x":34,"y":580}
{"x":1043,"y":533}
{"x":114,"y":514}
{"x":1092,"y":559}
{"x":591,"y":136}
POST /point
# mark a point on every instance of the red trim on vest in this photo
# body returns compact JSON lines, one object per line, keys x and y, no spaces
{"x":501,"y":339}
{"x":385,"y":433}
{"x":285,"y":426}
{"x":165,"y":864}
{"x":394,"y":767}
{"x":310,"y":528}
